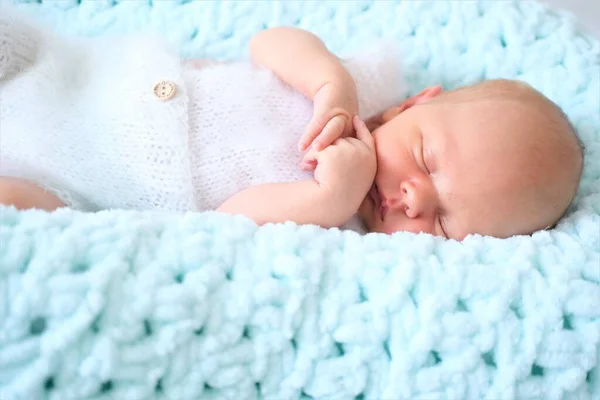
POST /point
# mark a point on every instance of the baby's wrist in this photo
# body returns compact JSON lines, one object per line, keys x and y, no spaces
{"x":336,"y":200}
{"x":333,"y":74}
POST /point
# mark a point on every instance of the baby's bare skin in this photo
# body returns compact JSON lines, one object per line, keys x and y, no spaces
{"x":494,"y":159}
{"x":489,"y":163}
{"x":24,"y":195}
{"x":499,"y":161}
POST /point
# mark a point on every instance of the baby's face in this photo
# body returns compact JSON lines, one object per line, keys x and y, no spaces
{"x":452,"y":169}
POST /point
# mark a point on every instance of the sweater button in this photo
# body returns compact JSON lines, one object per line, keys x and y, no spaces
{"x":165,"y":90}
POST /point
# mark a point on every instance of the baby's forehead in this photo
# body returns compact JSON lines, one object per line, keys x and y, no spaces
{"x":485,"y":134}
{"x":489,"y":113}
{"x":499,"y":118}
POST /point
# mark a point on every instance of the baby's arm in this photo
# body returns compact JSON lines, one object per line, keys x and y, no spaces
{"x":24,"y":195}
{"x":344,"y":174}
{"x":303,"y":202}
{"x":299,"y":58}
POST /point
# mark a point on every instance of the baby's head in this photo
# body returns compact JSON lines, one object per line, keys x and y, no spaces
{"x":496,"y":158}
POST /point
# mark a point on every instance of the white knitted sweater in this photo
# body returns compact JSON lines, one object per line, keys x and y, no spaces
{"x":80,"y":118}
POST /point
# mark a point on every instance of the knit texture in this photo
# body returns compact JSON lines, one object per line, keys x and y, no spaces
{"x":79,"y":117}
{"x":146,"y":305}
{"x":18,"y":46}
{"x":229,"y":126}
{"x":245,"y":124}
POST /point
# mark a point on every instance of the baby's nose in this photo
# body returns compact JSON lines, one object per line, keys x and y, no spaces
{"x":414,"y":199}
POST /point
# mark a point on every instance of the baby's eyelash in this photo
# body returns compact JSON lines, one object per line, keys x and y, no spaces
{"x":423,"y":158}
{"x":441,"y":222}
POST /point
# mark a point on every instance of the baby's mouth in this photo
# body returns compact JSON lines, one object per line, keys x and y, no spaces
{"x":376,"y":197}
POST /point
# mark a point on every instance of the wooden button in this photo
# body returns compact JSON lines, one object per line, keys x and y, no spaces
{"x":165,"y":90}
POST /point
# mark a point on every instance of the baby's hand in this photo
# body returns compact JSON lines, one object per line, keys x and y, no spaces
{"x":335,"y":104}
{"x":347,"y":167}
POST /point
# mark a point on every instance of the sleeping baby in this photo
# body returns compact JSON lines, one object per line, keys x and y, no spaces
{"x":297,"y":134}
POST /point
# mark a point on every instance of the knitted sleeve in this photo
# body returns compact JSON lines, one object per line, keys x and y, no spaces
{"x":19,"y":42}
{"x":377,"y":73}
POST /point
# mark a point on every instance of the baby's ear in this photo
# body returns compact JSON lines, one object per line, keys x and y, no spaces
{"x":386,"y":116}
{"x":422,"y":97}
{"x":379,"y":119}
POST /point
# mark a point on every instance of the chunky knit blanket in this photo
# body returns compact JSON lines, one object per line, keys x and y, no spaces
{"x":129,"y":305}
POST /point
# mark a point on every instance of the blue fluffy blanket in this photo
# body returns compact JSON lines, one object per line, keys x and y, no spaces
{"x":129,"y":305}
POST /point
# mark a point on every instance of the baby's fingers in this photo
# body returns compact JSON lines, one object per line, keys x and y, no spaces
{"x":309,"y":161}
{"x":332,"y":131}
{"x":363,"y":133}
{"x":313,"y":129}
